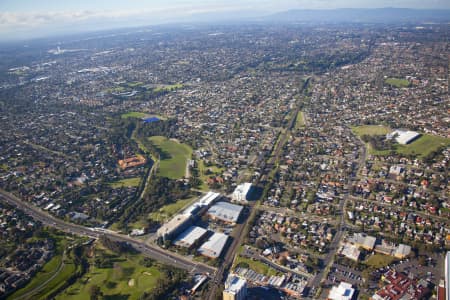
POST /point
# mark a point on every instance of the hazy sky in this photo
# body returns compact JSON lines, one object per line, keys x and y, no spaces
{"x":32,"y":18}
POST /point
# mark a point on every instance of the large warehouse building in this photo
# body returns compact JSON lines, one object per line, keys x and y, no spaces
{"x":190,"y":236}
{"x":214,"y":246}
{"x":175,"y":226}
{"x":403,"y":137}
{"x":225,"y":212}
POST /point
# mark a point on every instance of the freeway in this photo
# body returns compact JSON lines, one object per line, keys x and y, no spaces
{"x":154,"y":252}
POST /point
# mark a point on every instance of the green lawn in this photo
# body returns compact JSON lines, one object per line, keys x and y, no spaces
{"x":257,"y":266}
{"x":129,"y":182}
{"x":134,"y":114}
{"x":424,"y":145}
{"x":168,"y":87}
{"x":300,"y":121}
{"x":371,"y":130}
{"x":126,"y":279}
{"x":398,"y":82}
{"x":174,"y":165}
{"x":169,"y":210}
{"x":379,"y":260}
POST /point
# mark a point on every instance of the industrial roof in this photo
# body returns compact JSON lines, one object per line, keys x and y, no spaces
{"x":403,"y":137}
{"x":173,"y":224}
{"x":206,"y":200}
{"x":364,"y":240}
{"x":226,"y":211}
{"x":190,"y":236}
{"x":214,"y":246}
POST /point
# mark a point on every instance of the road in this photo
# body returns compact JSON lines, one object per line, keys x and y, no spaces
{"x":152,"y":251}
{"x":329,"y":258}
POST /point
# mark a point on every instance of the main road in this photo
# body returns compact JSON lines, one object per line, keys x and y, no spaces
{"x":154,"y":252}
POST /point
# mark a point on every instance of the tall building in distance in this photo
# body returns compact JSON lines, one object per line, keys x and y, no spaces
{"x":447,"y":275}
{"x":235,"y":288}
{"x":242,"y":192}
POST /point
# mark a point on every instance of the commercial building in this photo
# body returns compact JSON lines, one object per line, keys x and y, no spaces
{"x":350,"y":251}
{"x":235,"y":288}
{"x":214,"y":246}
{"x":241,"y":192}
{"x":363,"y":240}
{"x":204,"y":202}
{"x":225,"y":212}
{"x":343,"y":291}
{"x":190,"y":236}
{"x":175,"y":226}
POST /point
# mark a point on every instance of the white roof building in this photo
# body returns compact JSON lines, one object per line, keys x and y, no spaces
{"x":214,"y":246}
{"x":190,"y":236}
{"x":343,"y":291}
{"x":363,"y":240}
{"x":204,"y":201}
{"x":226,"y":212}
{"x":402,"y":251}
{"x":403,"y":137}
{"x":350,"y":251}
{"x":175,"y":224}
{"x":240,"y":194}
{"x":235,"y":288}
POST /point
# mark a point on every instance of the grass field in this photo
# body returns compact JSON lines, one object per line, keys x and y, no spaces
{"x":300,"y":121}
{"x":397,"y":82}
{"x":168,"y":87}
{"x":256,"y":266}
{"x":371,"y":130}
{"x":174,"y":165}
{"x":379,"y":260}
{"x":126,"y":279}
{"x":133,"y":114}
{"x":424,"y":145}
{"x":129,"y":182}
{"x":168,"y":211}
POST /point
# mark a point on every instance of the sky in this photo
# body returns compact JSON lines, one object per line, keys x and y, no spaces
{"x":35,"y":18}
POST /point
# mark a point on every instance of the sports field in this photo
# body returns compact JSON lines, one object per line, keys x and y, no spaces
{"x":174,"y":157}
{"x":397,"y":82}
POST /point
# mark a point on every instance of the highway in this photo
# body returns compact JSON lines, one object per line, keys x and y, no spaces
{"x":154,"y":252}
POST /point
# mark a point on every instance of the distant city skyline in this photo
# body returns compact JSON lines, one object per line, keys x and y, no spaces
{"x":27,"y":19}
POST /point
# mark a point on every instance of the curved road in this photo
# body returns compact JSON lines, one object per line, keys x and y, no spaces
{"x":154,"y":252}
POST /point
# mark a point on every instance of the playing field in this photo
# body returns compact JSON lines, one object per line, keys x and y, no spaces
{"x":174,"y":157}
{"x":134,"y":114}
{"x":397,"y":82}
{"x":371,"y":130}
